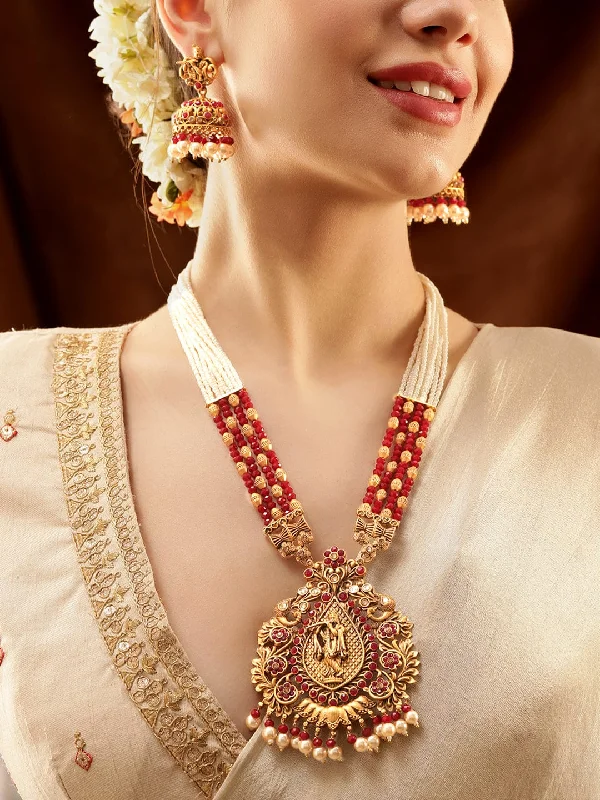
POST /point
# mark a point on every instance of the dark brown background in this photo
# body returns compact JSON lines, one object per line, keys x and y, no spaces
{"x":74,"y":244}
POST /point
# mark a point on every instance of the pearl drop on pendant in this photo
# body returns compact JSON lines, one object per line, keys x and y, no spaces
{"x":283,"y":741}
{"x":388,"y":729}
{"x":252,"y":722}
{"x":361,"y":745}
{"x":305,"y":746}
{"x":295,"y":743}
{"x":402,"y":727}
{"x":378,"y":729}
{"x":373,"y":742}
{"x":320,"y":754}
{"x":412,"y":718}
{"x":335,"y":753}
{"x":269,"y":734}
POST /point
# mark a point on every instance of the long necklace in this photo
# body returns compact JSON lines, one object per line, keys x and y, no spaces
{"x":337,"y":655}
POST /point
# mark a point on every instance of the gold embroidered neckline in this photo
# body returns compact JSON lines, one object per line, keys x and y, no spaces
{"x":160,"y":679}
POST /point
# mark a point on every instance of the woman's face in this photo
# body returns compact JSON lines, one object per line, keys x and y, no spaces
{"x":295,"y":82}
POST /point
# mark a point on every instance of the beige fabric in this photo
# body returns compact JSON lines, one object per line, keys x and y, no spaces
{"x":497,"y":565}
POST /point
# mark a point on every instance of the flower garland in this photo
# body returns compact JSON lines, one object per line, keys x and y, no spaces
{"x":137,"y":70}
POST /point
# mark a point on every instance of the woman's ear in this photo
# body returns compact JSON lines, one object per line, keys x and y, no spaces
{"x":188,"y":23}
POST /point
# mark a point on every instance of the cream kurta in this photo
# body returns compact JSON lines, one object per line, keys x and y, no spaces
{"x":497,"y":563}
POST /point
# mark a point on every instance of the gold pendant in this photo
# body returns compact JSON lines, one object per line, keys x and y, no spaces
{"x":337,"y":655}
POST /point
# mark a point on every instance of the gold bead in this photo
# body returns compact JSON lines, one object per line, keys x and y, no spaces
{"x":266,"y":444}
{"x":384,"y":451}
{"x":234,"y":400}
{"x":260,"y":482}
{"x":256,"y":499}
{"x":413,"y":426}
{"x":408,"y":406}
{"x":374,"y":480}
{"x":252,"y":414}
{"x":412,"y":472}
{"x":381,"y":494}
{"x":276,"y":490}
{"x":363,"y":508}
{"x":213,"y":409}
{"x":245,"y":451}
{"x":396,"y":485}
{"x":405,"y":456}
{"x":277,"y":513}
{"x":231,"y":423}
{"x":400,"y":437}
{"x":393,"y":422}
{"x":280,"y":474}
{"x":241,"y":467}
{"x":392,"y":466}
{"x":401,"y":501}
{"x":429,"y":414}
{"x":228,"y":438}
{"x":262,"y":460}
{"x":247,"y":430}
{"x":420,"y":442}
{"x":386,"y":513}
{"x":295,"y":505}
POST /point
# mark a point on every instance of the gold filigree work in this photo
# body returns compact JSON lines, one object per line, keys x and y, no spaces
{"x":179,"y":708}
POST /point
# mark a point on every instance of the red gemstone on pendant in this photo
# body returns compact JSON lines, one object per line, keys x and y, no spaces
{"x":406,"y":707}
{"x":321,"y":698}
{"x":331,"y":742}
{"x":386,"y":718}
{"x":295,"y":731}
{"x":372,"y":665}
{"x":303,"y":735}
{"x":304,"y":687}
{"x":395,"y":716}
{"x":269,"y":723}
{"x":333,"y":702}
{"x":343,"y":596}
{"x":308,"y":573}
{"x":283,"y":728}
{"x":368,"y":676}
{"x":377,"y":720}
{"x":360,"y":570}
{"x":350,"y":603}
{"x":317,"y":742}
{"x":362,"y":683}
{"x":344,"y":697}
{"x":366,"y":732}
{"x":325,"y":597}
{"x":351,"y":738}
{"x":353,"y":691}
{"x":313,"y":693}
{"x":255,"y":713}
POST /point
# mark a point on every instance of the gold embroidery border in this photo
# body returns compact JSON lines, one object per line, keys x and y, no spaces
{"x":180,"y":709}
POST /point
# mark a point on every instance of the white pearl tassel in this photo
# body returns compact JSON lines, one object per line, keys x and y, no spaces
{"x":422,"y":381}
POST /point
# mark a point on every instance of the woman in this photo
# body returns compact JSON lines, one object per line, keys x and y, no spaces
{"x":119,"y":505}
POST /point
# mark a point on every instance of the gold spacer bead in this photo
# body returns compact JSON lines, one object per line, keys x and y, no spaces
{"x":396,"y":485}
{"x":260,"y":482}
{"x":374,"y":480}
{"x":412,"y":472}
{"x":381,"y":494}
{"x":228,"y":438}
{"x":429,"y":414}
{"x":420,"y":442}
{"x":405,"y":456}
{"x":280,"y":474}
{"x":363,"y":508}
{"x":296,"y":505}
{"x":393,"y":422}
{"x":234,"y":400}
{"x":400,"y":437}
{"x":413,"y":426}
{"x":231,"y":423}
{"x":276,"y":490}
{"x":408,"y":406}
{"x":245,"y":451}
{"x":247,"y":430}
{"x":262,"y":460}
{"x":384,"y":451}
{"x":252,"y":414}
{"x":277,"y":513}
{"x":256,"y":499}
{"x":213,"y":409}
{"x":266,"y":444}
{"x":386,"y":513}
{"x":401,"y":501}
{"x":241,"y":467}
{"x":392,"y":466}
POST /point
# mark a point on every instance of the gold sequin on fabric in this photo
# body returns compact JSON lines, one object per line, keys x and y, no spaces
{"x":179,"y":708}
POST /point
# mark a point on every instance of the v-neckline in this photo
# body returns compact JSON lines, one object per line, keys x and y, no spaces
{"x":178,"y":674}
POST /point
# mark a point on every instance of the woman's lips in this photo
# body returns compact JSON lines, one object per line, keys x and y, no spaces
{"x":439,"y":112}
